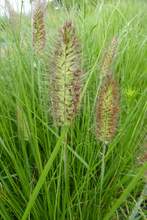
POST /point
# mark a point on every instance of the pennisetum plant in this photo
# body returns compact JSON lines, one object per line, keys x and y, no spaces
{"x":66,"y":80}
{"x":108,"y":99}
{"x":107,"y":105}
{"x":106,"y":65}
{"x":106,"y":118}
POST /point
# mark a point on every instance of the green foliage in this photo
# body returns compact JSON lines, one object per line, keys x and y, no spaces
{"x":103,"y":183}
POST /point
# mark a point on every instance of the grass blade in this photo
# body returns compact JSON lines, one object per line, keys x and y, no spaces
{"x":44,"y":174}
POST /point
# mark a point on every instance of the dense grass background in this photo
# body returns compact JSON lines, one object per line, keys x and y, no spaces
{"x":25,"y":91}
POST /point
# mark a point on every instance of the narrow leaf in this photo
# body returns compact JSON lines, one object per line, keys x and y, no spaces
{"x":44,"y":174}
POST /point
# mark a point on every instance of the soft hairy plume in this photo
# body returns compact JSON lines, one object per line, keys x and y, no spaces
{"x":38,"y":28}
{"x":107,"y":111}
{"x":108,"y":57}
{"x":66,"y":76}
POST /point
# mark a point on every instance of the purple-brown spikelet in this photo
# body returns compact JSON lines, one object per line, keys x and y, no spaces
{"x":107,"y":111}
{"x":108,"y":57}
{"x":39,"y":29}
{"x":66,"y":76}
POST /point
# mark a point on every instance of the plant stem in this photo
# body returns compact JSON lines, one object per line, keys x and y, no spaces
{"x":102,"y":178}
{"x":56,"y":213}
{"x":66,"y":192}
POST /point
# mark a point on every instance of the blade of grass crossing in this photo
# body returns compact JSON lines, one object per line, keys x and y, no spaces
{"x":44,"y":173}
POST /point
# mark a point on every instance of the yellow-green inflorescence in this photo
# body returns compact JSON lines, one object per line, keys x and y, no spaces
{"x":38,"y":28}
{"x":107,"y":111}
{"x":66,"y":76}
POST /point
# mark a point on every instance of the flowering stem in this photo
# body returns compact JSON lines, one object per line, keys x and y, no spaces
{"x":56,"y":214}
{"x":102,"y":179}
{"x":65,"y":156}
{"x":65,"y":153}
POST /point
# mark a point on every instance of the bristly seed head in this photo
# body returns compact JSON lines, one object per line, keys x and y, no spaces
{"x":108,"y":57}
{"x":38,"y":29}
{"x":66,"y":76}
{"x":107,"y":111}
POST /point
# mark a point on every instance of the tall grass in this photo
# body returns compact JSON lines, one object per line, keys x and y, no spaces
{"x":101,"y":185}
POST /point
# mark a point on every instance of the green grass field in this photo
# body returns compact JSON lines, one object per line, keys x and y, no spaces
{"x":52,"y":172}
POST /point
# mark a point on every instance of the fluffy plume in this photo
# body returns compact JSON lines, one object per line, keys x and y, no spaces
{"x":38,"y":28}
{"x":66,"y":76}
{"x":108,"y":57}
{"x":107,"y":111}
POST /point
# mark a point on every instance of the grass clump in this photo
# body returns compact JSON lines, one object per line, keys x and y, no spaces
{"x":101,"y":177}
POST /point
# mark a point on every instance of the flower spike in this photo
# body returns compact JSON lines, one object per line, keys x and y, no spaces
{"x":107,"y":111}
{"x":38,"y":29}
{"x":66,"y":76}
